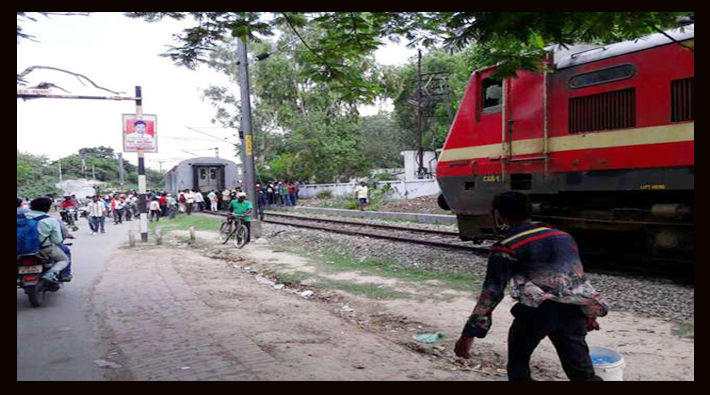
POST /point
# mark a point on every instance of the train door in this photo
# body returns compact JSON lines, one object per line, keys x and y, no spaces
{"x":525,"y":137}
{"x":210,"y":177}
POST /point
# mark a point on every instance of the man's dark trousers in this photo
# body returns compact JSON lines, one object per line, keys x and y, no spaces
{"x":566,"y":326}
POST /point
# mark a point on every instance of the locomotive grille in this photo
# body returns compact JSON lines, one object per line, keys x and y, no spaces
{"x":682,"y":94}
{"x":604,"y":111}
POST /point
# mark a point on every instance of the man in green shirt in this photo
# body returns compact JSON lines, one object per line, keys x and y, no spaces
{"x":242,"y":206}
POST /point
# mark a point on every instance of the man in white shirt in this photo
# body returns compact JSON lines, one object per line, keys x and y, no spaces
{"x":212,"y":197}
{"x":97,"y":211}
{"x":361,"y":195}
{"x":200,"y":200}
{"x":189,"y":201}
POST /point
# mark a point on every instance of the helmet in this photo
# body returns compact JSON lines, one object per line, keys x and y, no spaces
{"x":241,"y":194}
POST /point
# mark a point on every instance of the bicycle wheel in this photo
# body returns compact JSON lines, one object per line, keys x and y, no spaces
{"x":240,"y":239}
{"x":225,"y":231}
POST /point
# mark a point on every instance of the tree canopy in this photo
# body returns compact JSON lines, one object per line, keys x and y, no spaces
{"x":512,"y":39}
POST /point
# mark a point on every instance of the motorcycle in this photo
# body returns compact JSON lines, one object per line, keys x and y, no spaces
{"x":129,"y":210}
{"x":70,"y":215}
{"x":30,"y":269}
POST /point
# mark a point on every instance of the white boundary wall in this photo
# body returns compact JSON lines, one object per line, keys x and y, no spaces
{"x":400,"y":189}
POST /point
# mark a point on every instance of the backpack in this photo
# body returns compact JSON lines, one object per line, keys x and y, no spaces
{"x":28,"y":235}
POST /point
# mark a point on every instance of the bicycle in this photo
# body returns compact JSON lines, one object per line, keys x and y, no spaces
{"x":234,"y":226}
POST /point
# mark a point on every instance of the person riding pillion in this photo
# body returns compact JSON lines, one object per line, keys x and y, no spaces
{"x":50,"y":236}
{"x":242,"y":206}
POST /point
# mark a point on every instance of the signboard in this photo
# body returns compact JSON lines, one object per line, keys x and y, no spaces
{"x":140,"y":134}
{"x":34,"y":92}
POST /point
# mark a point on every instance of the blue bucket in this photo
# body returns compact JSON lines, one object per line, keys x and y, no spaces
{"x":608,"y":364}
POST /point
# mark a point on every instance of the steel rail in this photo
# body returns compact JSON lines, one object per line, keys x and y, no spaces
{"x":377,"y":226}
{"x":376,"y":235}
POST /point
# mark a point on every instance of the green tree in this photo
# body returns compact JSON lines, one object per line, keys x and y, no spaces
{"x":35,"y":177}
{"x":513,"y":39}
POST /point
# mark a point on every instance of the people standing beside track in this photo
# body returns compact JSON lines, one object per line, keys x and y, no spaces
{"x":212,"y":197}
{"x":361,"y":195}
{"x":554,"y":298}
{"x":283,"y":193}
{"x":261,"y":201}
{"x":291,"y":193}
{"x":189,"y":201}
{"x":97,"y":215}
{"x":199,"y":200}
{"x":270,"y":194}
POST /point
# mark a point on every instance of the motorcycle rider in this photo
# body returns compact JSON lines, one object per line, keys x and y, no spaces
{"x":50,"y":236}
{"x":65,"y":208}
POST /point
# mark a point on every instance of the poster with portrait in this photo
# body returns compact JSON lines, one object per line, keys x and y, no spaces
{"x":141,"y":134}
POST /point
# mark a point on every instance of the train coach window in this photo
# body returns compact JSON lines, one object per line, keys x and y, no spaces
{"x":492,"y":95}
{"x":602,"y":76}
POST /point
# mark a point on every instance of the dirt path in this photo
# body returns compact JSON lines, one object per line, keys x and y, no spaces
{"x":203,"y":311}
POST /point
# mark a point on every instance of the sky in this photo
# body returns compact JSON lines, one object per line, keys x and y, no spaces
{"x":119,"y":53}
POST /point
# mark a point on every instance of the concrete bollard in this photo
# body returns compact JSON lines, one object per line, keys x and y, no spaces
{"x":131,"y":238}
{"x":191,"y":228}
{"x":159,"y":236}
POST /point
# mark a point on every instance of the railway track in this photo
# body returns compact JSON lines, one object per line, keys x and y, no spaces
{"x":393,"y":233}
{"x":450,"y":240}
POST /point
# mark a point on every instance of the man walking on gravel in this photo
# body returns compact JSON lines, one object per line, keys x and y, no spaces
{"x":361,"y":195}
{"x":548,"y":281}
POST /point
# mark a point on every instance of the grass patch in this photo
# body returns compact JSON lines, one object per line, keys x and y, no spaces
{"x":334,"y":258}
{"x":371,"y":291}
{"x":291,"y":277}
{"x":182,"y":222}
{"x":686,"y":331}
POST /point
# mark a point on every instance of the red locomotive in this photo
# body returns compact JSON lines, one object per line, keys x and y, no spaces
{"x":603,"y":144}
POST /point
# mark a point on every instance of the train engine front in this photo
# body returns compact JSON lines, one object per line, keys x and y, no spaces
{"x":603,"y":145}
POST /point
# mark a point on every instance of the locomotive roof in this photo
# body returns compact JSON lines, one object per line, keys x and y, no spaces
{"x":585,"y":53}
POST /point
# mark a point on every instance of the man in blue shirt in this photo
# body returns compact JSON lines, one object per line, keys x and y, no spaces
{"x":50,"y":236}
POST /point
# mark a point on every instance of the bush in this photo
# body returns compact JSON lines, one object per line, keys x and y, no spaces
{"x":324,"y":194}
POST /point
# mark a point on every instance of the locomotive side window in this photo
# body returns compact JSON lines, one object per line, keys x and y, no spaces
{"x":682,"y":95}
{"x":492,"y":92}
{"x":603,"y":76}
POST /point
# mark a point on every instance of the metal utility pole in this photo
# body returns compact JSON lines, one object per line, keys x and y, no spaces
{"x":142,"y":209}
{"x":420,"y":154}
{"x":120,"y":169}
{"x":246,"y":134}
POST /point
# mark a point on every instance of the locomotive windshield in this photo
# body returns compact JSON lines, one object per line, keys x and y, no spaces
{"x":492,"y":95}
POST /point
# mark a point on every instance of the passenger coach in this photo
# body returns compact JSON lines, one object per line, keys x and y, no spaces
{"x":203,"y":174}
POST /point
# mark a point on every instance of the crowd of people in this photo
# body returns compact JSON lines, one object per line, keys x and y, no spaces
{"x":123,"y":206}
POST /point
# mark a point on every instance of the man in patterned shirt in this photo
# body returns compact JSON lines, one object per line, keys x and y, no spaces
{"x":548,"y":281}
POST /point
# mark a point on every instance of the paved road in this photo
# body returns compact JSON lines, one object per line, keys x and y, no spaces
{"x":59,"y":341}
